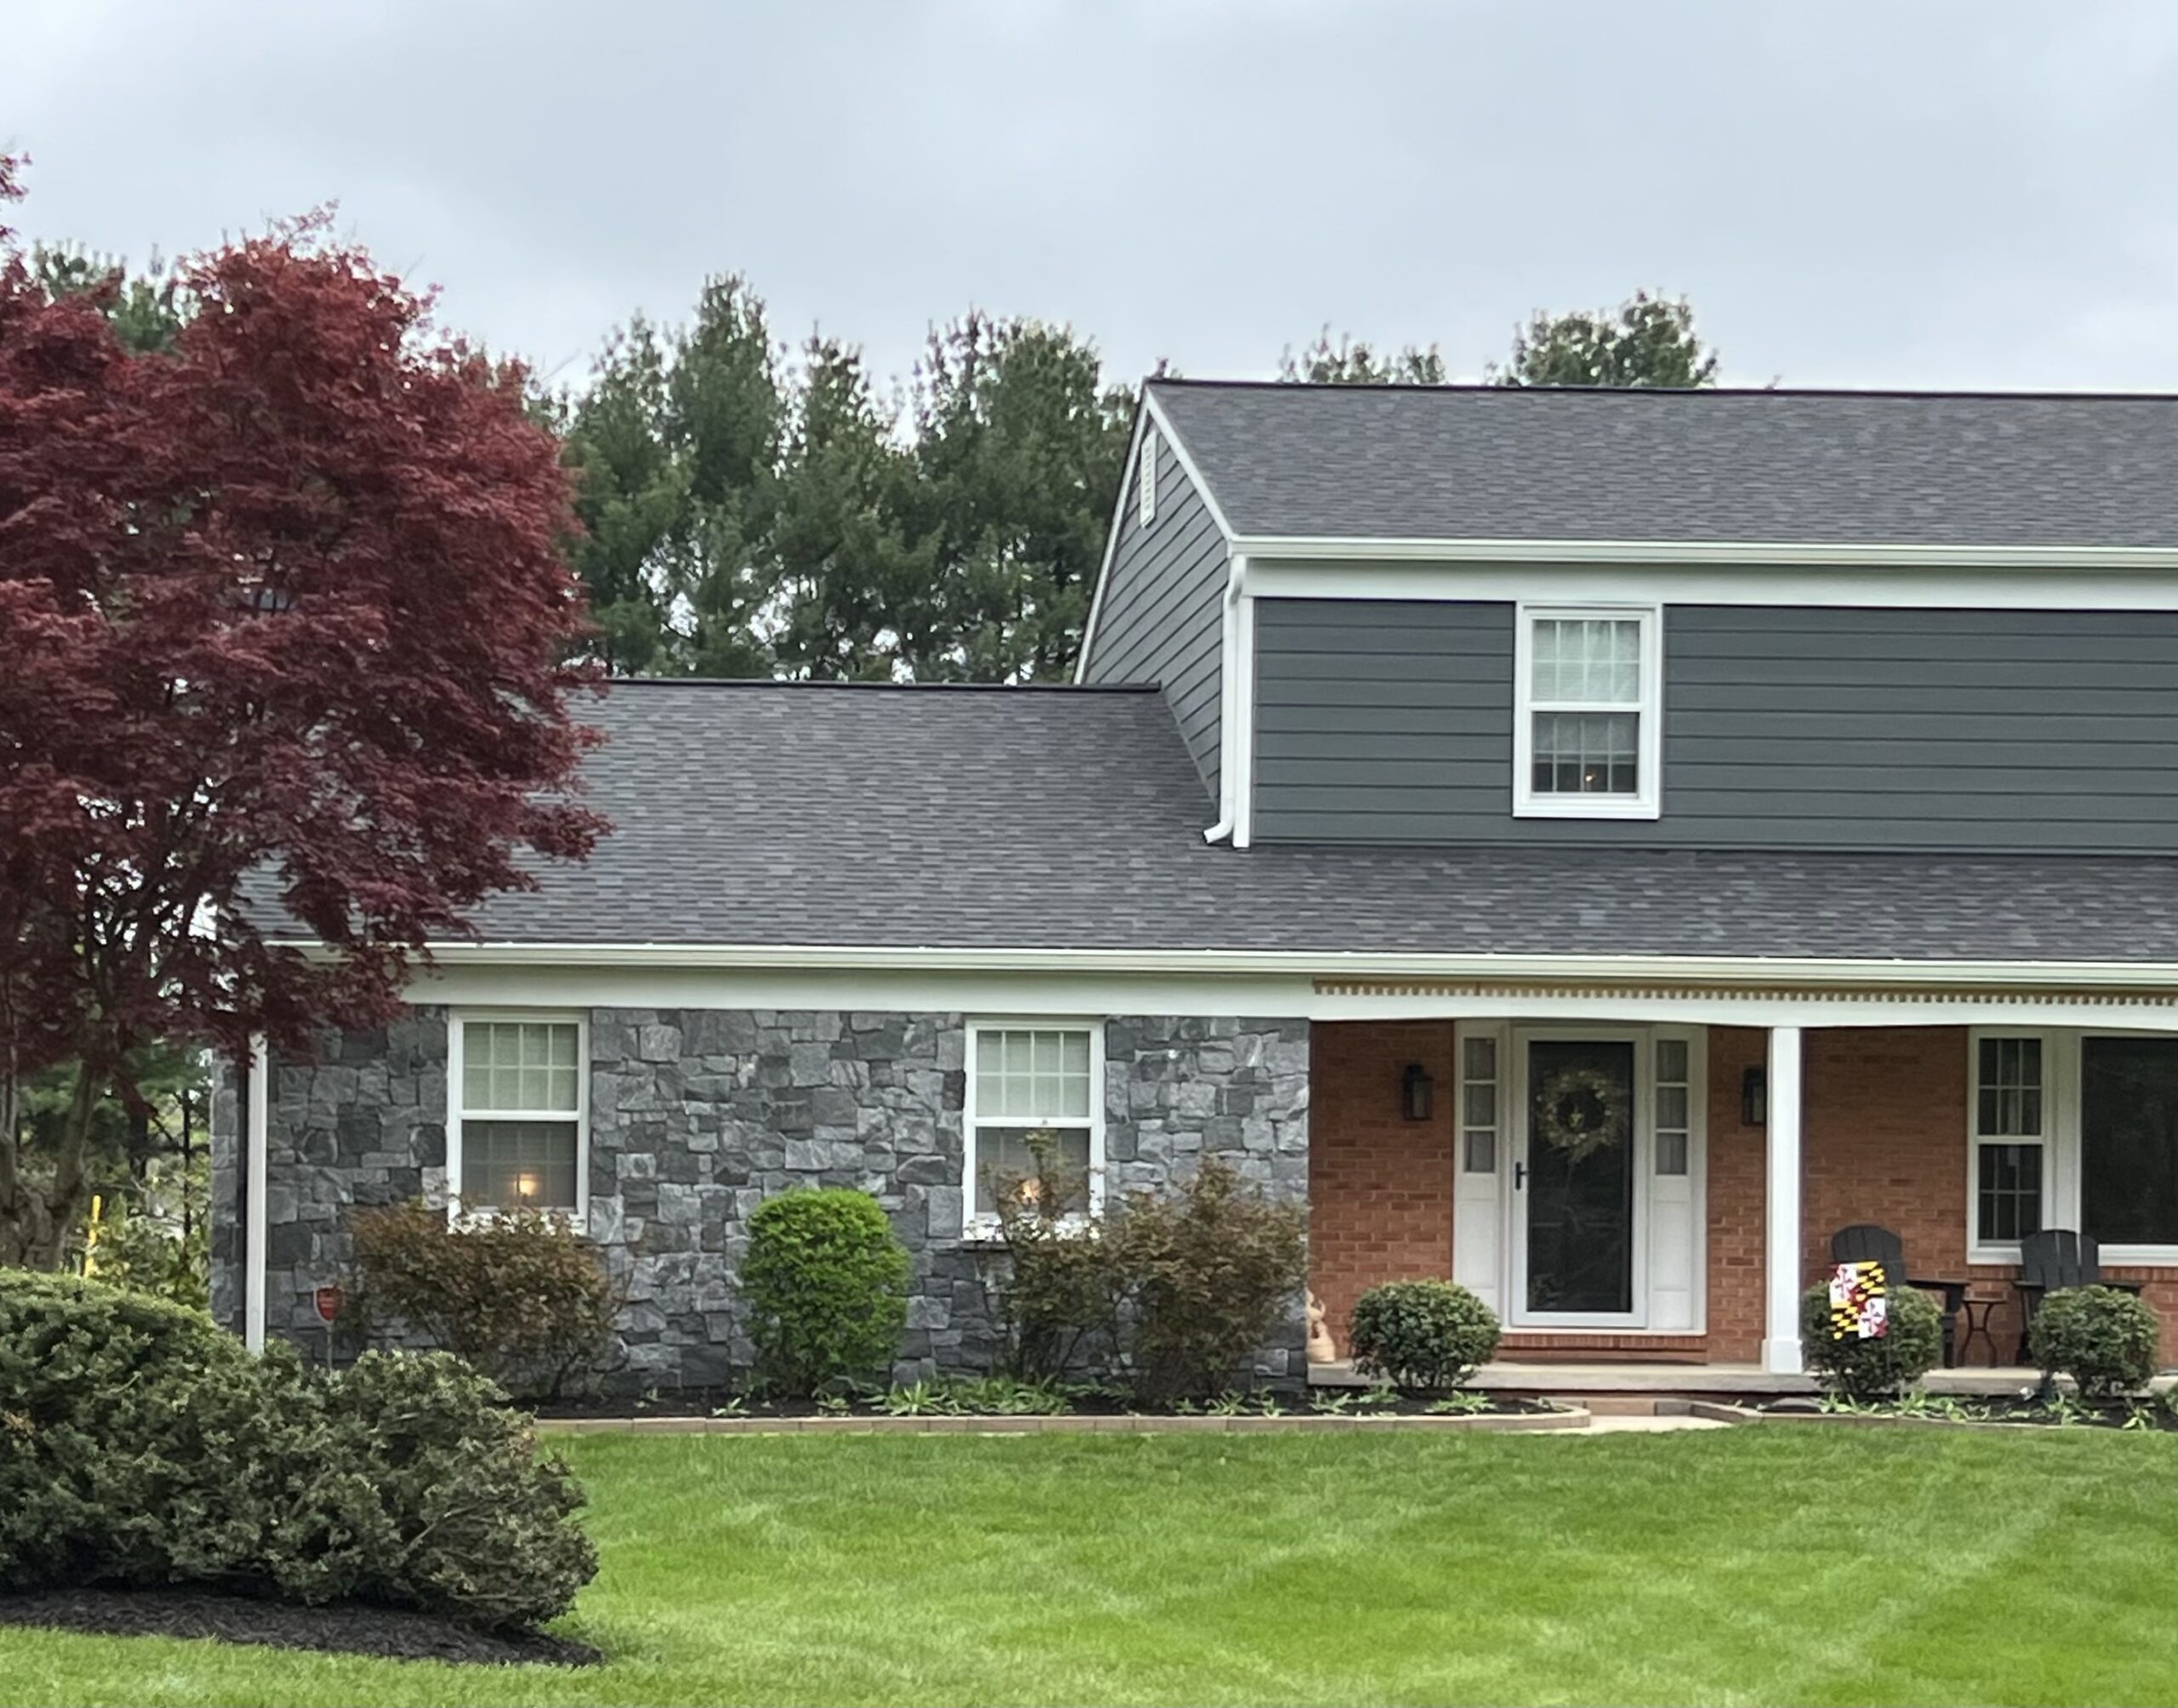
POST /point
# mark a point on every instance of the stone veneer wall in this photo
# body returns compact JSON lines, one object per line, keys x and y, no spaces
{"x":697,"y":1115}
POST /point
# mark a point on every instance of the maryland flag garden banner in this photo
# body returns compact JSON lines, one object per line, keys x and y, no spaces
{"x":1858,"y":1309}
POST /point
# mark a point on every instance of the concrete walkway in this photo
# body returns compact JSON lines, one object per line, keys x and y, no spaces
{"x":1606,"y":1424}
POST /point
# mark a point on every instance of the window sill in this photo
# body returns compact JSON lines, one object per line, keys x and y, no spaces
{"x":985,"y":1236}
{"x":1594,"y":806}
{"x":2139,"y":1256}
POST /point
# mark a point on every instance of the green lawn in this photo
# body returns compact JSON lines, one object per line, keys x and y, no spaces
{"x":1756,"y":1565}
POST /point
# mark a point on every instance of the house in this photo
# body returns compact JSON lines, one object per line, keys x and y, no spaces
{"x":1591,"y":845}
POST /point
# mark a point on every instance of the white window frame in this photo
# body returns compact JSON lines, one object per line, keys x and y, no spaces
{"x":1145,"y":479}
{"x":2059,"y":1138}
{"x":2063,"y":1165}
{"x":1647,"y":801}
{"x":974,"y":1224}
{"x":458,"y":1024}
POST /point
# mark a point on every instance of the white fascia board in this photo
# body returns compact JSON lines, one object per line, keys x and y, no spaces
{"x":1347,"y":966}
{"x":1753,"y":554}
{"x":1111,"y":544}
{"x":1155,"y":411}
{"x":1981,"y":587}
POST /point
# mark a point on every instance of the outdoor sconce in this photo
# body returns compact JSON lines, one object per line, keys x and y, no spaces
{"x":1416,"y":1092}
{"x":1754,"y":1097}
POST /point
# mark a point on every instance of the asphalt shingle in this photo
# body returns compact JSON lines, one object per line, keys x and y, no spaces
{"x":1772,"y":467}
{"x":794,"y":814}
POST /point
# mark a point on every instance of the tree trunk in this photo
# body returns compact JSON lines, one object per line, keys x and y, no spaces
{"x":36,"y":1223}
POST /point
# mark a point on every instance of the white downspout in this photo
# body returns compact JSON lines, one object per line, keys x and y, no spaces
{"x":1229,"y":702}
{"x":256,"y":1140}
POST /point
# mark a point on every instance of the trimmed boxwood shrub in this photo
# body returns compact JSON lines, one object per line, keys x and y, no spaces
{"x":1422,"y":1335}
{"x":2105,"y":1339}
{"x":826,"y":1284}
{"x":140,"y":1446}
{"x":1887,"y":1363}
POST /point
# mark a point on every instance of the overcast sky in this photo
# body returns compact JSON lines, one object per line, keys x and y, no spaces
{"x":1980,"y":194}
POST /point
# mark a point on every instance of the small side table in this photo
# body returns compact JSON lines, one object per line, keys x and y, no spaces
{"x":1977,"y":1323}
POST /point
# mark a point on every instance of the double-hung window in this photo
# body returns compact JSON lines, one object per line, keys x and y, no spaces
{"x":1035,"y":1104}
{"x":2012,"y":1108}
{"x":1588,"y":735}
{"x":515,"y":1129}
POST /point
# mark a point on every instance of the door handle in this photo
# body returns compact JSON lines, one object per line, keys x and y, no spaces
{"x":1519,"y":1176}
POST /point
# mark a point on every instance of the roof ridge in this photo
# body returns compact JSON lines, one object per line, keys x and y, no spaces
{"x":1901,"y":393}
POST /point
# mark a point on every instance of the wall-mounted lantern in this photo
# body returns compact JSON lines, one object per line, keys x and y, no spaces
{"x":1417,"y":1092}
{"x":1754,"y":1097}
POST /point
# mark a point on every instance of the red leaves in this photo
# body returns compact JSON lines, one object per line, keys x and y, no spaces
{"x":286,"y":604}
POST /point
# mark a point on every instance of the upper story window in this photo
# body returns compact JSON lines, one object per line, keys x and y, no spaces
{"x":1145,"y":478}
{"x":1588,"y":736}
{"x":516,"y":1116}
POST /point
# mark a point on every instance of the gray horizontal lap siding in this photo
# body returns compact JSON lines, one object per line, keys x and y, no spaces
{"x":1981,"y":732}
{"x":1161,"y":619}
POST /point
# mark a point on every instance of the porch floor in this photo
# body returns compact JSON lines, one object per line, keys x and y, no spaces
{"x":1691,"y":1380}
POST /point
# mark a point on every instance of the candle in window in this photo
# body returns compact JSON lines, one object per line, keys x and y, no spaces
{"x":525,"y":1186}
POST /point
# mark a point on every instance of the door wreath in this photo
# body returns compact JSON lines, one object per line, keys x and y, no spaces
{"x":1580,"y":1111}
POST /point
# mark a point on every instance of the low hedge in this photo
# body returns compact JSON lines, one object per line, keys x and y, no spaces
{"x":1426,"y":1335}
{"x":143,"y":1447}
{"x":1885,"y":1363}
{"x":2103,"y":1339}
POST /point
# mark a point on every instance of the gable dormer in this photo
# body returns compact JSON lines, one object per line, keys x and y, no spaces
{"x":1691,"y":620}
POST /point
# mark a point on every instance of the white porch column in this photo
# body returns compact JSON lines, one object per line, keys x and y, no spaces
{"x":256,"y":1141}
{"x":1781,"y":1341}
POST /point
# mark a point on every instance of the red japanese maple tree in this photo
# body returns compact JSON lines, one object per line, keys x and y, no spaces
{"x":281,"y":615}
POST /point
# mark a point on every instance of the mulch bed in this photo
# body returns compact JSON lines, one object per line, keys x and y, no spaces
{"x":715,"y":1402}
{"x":343,"y":1628}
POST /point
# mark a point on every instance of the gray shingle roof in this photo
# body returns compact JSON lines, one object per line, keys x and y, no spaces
{"x":1801,"y":467}
{"x":785,"y":814}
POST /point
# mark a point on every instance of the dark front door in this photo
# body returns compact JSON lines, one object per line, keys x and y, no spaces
{"x":1579,"y":1176}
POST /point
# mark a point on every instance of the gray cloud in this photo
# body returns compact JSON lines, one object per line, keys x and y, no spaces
{"x":1931,"y":194}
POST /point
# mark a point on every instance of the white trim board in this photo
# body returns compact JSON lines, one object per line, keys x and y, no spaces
{"x":1062,"y":993}
{"x":2036,"y":585}
{"x":1111,"y":549}
{"x":1738,"y":554}
{"x":1732,"y":971}
{"x":1148,"y":417}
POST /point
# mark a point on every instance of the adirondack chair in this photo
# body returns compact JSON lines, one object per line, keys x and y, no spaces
{"x":1866,"y":1242}
{"x":2054,"y":1258}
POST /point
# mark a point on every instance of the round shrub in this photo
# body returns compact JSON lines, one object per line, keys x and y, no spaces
{"x":1886,"y":1364}
{"x":522,"y":1297}
{"x":826,"y":1284}
{"x":1425,"y":1334}
{"x":84,"y":1367}
{"x":2103,"y":1339}
{"x":181,"y":1459}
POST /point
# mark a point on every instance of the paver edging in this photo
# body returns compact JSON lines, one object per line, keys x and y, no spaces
{"x":1068,"y":1424}
{"x":1734,"y":1414}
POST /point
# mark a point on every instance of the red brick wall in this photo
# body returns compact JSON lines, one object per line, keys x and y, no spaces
{"x":1884,"y":1141}
{"x":1737,"y":1175}
{"x":1380,"y":1186}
